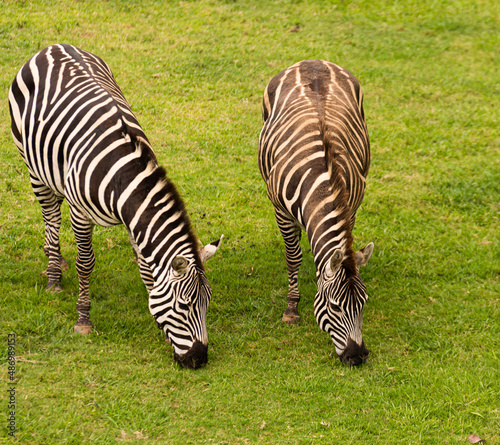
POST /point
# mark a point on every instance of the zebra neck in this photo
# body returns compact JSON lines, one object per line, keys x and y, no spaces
{"x":328,"y":228}
{"x":160,"y":228}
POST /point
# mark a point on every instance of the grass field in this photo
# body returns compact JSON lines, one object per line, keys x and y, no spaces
{"x":194,"y":74}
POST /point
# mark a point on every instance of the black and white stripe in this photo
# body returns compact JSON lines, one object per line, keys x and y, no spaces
{"x":81,"y":141}
{"x":314,"y":156}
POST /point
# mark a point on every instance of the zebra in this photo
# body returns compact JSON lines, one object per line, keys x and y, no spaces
{"x":314,"y":156}
{"x":80,"y":140}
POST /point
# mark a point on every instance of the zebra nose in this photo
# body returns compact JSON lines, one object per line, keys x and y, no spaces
{"x":195,"y":357}
{"x":354,"y":354}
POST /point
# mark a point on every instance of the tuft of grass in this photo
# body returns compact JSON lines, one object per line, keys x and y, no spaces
{"x":194,"y":74}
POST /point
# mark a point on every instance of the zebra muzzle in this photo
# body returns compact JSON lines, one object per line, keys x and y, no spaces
{"x":354,"y":354}
{"x":195,"y":357}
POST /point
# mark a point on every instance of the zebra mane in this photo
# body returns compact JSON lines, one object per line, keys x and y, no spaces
{"x":338,"y":182}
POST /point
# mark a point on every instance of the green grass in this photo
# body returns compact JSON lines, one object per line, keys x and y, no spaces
{"x":194,"y":73}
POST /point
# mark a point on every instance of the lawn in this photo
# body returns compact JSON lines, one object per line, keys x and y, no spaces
{"x":194,"y":73}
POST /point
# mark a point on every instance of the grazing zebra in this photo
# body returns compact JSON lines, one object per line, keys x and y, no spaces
{"x":80,"y":141}
{"x":314,"y":156}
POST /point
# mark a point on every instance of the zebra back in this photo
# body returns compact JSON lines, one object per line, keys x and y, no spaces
{"x":78,"y":135}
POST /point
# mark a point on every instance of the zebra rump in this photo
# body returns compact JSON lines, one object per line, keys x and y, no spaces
{"x":314,"y":156}
{"x":80,"y":140}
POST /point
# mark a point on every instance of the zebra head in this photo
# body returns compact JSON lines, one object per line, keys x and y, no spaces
{"x":179,"y":305}
{"x":338,"y":306}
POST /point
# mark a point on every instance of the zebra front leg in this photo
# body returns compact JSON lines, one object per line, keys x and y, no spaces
{"x":64,"y":264}
{"x":291,"y":235}
{"x":51,"y":212}
{"x":85,"y":261}
{"x":46,"y":247}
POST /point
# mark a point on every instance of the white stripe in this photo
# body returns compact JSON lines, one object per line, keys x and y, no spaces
{"x":133,"y":186}
{"x":110,"y":175}
{"x":323,"y":177}
{"x":145,"y":204}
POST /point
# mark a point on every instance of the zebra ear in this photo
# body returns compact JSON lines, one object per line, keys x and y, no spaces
{"x":208,"y":251}
{"x":363,"y":255}
{"x":180,"y":264}
{"x":334,"y":264}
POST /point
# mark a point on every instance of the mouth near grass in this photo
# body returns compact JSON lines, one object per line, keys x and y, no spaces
{"x":354,"y":354}
{"x":195,"y":357}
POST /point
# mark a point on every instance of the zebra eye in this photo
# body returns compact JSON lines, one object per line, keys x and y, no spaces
{"x":335,"y":307}
{"x":183,"y":306}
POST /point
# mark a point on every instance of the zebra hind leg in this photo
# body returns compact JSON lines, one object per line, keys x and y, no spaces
{"x":51,"y":211}
{"x":85,"y":261}
{"x":291,"y":235}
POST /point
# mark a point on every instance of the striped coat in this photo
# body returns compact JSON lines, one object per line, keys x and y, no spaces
{"x":314,"y":156}
{"x":80,"y":140}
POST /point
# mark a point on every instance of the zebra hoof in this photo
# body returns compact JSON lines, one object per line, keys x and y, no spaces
{"x":290,"y":318}
{"x":54,"y":287}
{"x":83,"y":329}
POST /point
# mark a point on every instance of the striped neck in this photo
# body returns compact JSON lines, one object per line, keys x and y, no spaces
{"x":328,"y":231}
{"x":326,"y":217}
{"x":156,"y":218}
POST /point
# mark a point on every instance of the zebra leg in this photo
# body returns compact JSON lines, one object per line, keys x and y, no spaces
{"x":291,"y":235}
{"x":63,"y":262}
{"x":51,"y":212}
{"x":85,"y":261}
